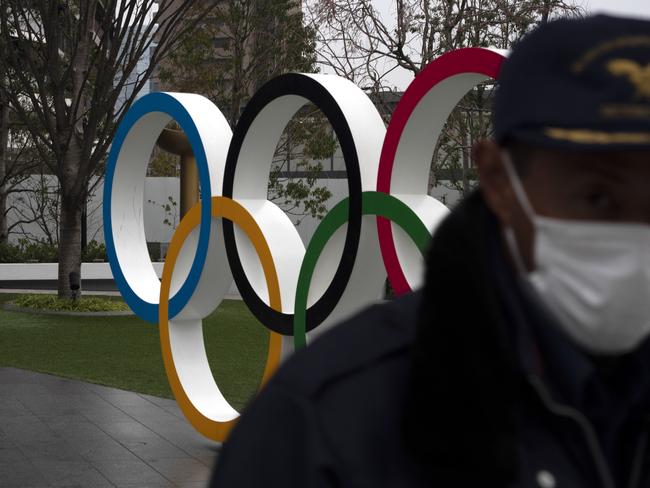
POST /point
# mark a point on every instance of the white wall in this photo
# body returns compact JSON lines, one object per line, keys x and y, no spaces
{"x":156,"y":189}
{"x":159,"y":189}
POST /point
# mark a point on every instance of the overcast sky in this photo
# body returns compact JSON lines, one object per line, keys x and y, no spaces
{"x":626,"y":8}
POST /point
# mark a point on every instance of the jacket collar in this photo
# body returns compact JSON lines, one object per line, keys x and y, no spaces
{"x":470,"y":357}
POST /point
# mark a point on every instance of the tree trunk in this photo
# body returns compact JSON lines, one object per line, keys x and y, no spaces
{"x":433,"y":170}
{"x":546,"y":11}
{"x":4,"y":233}
{"x":465,"y":156}
{"x":70,"y":220}
{"x":4,"y":140}
{"x":72,"y":193}
{"x":69,"y":244}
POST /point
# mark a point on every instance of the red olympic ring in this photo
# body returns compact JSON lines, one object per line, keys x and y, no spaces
{"x":430,"y":87}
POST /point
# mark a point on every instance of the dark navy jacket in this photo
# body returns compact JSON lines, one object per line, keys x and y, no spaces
{"x":449,"y":387}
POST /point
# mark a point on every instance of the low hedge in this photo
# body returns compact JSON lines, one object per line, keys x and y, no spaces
{"x":84,"y":304}
{"x":28,"y":251}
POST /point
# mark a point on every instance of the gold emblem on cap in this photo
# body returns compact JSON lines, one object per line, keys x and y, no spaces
{"x":588,"y":136}
{"x":607,"y":47}
{"x":638,"y":75}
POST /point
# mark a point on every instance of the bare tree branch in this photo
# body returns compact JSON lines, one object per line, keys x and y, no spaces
{"x":65,"y":64}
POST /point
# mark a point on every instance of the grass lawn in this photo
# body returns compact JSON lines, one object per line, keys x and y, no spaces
{"x":124,"y":352}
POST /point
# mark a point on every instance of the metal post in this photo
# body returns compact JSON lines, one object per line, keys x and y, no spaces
{"x":189,"y":183}
{"x":175,"y":142}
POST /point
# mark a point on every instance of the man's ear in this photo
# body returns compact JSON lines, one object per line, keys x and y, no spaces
{"x":494,"y":181}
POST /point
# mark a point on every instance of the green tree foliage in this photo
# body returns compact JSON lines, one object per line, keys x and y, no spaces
{"x":233,"y":52}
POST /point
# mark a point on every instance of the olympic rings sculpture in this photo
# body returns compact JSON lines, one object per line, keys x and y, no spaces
{"x":380,"y":230}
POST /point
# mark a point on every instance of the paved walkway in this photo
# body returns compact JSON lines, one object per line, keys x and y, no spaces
{"x":60,"y":432}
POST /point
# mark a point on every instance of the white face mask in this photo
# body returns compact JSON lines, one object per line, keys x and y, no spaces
{"x":593,"y":276}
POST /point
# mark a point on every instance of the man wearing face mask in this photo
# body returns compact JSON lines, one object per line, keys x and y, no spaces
{"x":525,"y":361}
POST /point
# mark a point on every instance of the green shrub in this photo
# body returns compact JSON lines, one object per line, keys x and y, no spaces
{"x":94,"y":251}
{"x":84,"y":304}
{"x":9,"y":253}
{"x":28,"y":251}
{"x":154,"y":250}
{"x":25,"y":251}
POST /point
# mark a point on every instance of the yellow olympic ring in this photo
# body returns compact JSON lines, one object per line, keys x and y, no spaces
{"x":214,"y":428}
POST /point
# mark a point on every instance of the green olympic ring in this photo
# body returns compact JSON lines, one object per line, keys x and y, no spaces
{"x":373,"y":203}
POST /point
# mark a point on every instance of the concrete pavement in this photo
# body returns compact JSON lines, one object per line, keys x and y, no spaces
{"x":61,"y":432}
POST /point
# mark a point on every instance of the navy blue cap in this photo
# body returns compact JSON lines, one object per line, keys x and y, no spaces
{"x":577,"y":83}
